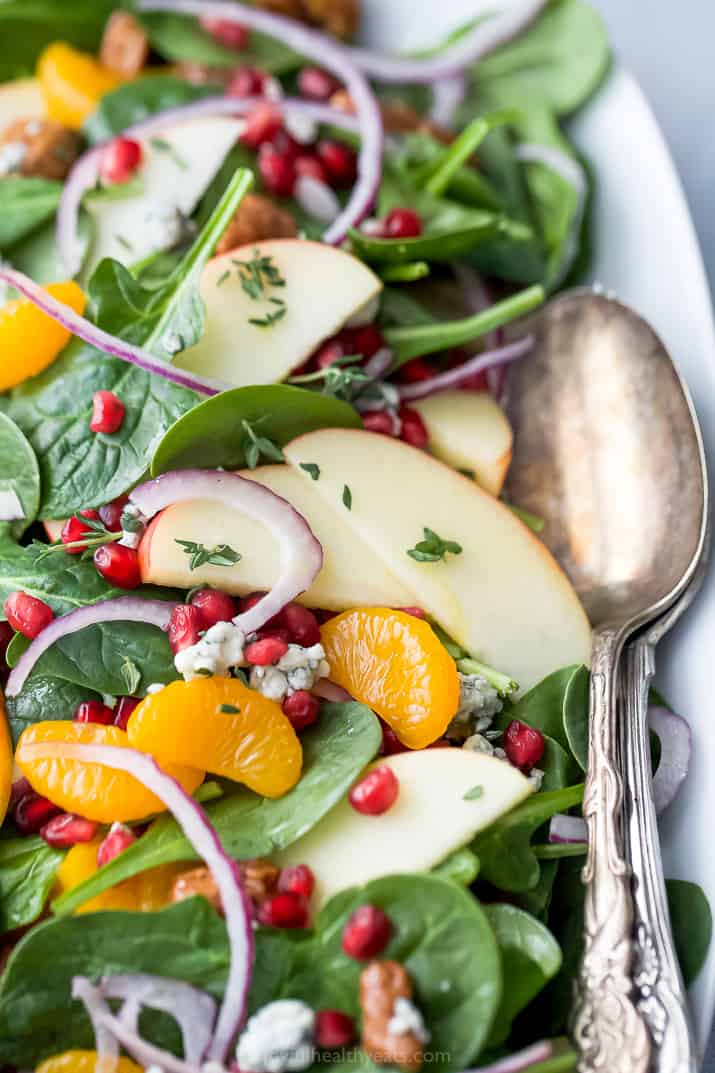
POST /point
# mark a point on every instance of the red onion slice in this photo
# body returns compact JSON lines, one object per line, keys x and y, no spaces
{"x":85,"y":173}
{"x":334,"y":58}
{"x":453,"y":377}
{"x":194,"y":1011}
{"x":317,"y":199}
{"x":105,"y":1042}
{"x":301,"y":552}
{"x":567,"y":830}
{"x":97,"y":337}
{"x":676,"y":746}
{"x":447,"y":95}
{"x":327,"y":690}
{"x":515,"y":1063}
{"x":484,"y":39}
{"x":197,"y":828}
{"x":123,"y":609}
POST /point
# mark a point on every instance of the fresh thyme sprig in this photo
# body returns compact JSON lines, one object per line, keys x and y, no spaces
{"x":200,"y":555}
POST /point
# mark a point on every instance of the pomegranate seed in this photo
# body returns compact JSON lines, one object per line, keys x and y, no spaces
{"x":301,"y":624}
{"x":116,"y":841}
{"x":266,"y":651}
{"x":67,"y":830}
{"x":214,"y":606}
{"x":316,"y":84}
{"x":283,"y":910}
{"x":93,"y":711}
{"x":111,"y":513}
{"x":365,"y":341}
{"x":247,"y":82}
{"x":416,"y":612}
{"x":301,"y":708}
{"x":20,"y":788}
{"x":333,"y":1029}
{"x":185,"y":624}
{"x":523,"y":745}
{"x":228,"y":33}
{"x":475,"y":382}
{"x":262,"y":124}
{"x":123,"y":710}
{"x":247,"y":602}
{"x":32,"y":812}
{"x":27,"y":614}
{"x":366,"y":933}
{"x":305,"y":164}
{"x":376,"y":792}
{"x":107,"y":412}
{"x":277,"y":171}
{"x":391,"y":744}
{"x":415,"y":371}
{"x":379,"y":421}
{"x":74,"y":529}
{"x":119,"y":160}
{"x":413,"y":430}
{"x":330,"y":352}
{"x":402,"y":223}
{"x":339,"y":160}
{"x":287,"y":146}
{"x":118,"y":565}
{"x":298,"y":880}
{"x":270,"y":630}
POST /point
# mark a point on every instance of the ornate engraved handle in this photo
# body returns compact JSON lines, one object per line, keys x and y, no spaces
{"x":661,"y":997}
{"x":608,"y":1029}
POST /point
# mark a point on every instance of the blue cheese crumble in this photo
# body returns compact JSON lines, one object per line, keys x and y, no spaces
{"x":407,"y":1020}
{"x":278,"y":1039}
{"x":478,"y":704}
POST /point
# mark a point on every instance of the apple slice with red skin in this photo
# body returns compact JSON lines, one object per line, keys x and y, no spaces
{"x":470,"y":431}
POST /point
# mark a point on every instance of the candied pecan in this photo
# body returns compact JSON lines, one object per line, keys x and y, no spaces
{"x":38,"y":147}
{"x":398,"y":116}
{"x":339,"y":17}
{"x":260,"y":878}
{"x":381,"y":983}
{"x":201,"y":74}
{"x":125,"y":46}
{"x":257,"y":218}
{"x":293,"y":8}
{"x":197,"y":881}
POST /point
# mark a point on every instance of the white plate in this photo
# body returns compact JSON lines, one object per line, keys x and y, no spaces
{"x":648,"y":253}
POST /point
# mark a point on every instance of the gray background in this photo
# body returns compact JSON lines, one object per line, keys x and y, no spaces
{"x":670,"y":48}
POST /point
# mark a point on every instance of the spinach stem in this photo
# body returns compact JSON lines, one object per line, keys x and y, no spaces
{"x":451,"y":160}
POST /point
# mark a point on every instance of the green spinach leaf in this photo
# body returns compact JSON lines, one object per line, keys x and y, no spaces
{"x":81,"y":468}
{"x":461,"y":867}
{"x":65,"y":582}
{"x":692,"y":924}
{"x":334,"y":752}
{"x":19,"y":473}
{"x":43,"y":698}
{"x":211,"y":434}
{"x":177,"y":37}
{"x":27,"y":872}
{"x":138,"y":100}
{"x":504,"y":849}
{"x":558,"y":707}
{"x":27,"y":203}
{"x":530,"y":958}
{"x":28,"y":26}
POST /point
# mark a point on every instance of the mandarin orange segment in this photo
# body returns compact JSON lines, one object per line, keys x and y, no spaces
{"x":85,"y":1062}
{"x":6,"y":760}
{"x":394,"y":663}
{"x":29,"y":339}
{"x":72,"y":83}
{"x":91,"y":790}
{"x":227,"y":728}
{"x":146,"y":892}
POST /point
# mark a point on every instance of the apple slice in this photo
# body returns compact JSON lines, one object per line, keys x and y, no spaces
{"x":21,"y":99}
{"x":323,"y":288}
{"x":351,"y":573}
{"x":468,"y":430}
{"x":432,"y":817}
{"x":504,"y":598}
{"x":54,"y":527}
{"x":175,"y":172}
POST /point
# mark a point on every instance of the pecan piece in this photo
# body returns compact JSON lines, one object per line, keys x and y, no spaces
{"x":381,"y":984}
{"x":39,"y":147}
{"x":197,"y":881}
{"x":125,"y":46}
{"x":339,"y":17}
{"x":260,"y":878}
{"x":257,"y":218}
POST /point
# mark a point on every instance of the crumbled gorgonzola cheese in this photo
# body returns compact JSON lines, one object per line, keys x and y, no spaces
{"x":220,"y":649}
{"x":478,"y":704}
{"x":303,"y":666}
{"x":407,"y":1020}
{"x":278,"y":1039}
{"x":477,"y":743}
{"x":269,"y":681}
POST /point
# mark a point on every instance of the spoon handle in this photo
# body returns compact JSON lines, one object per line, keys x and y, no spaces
{"x":661,"y":993}
{"x":609,"y":1030}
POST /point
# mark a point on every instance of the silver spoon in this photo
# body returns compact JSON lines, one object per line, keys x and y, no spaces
{"x":608,"y":451}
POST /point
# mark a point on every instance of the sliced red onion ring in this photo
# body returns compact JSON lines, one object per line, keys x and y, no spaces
{"x":334,"y":58}
{"x":327,"y":690}
{"x":570,"y":170}
{"x":123,"y":609}
{"x":85,"y":173}
{"x":515,"y":1063}
{"x":301,"y":552}
{"x":194,"y":1011}
{"x":97,"y":337}
{"x":317,"y":199}
{"x":453,"y":377}
{"x":565,"y":830}
{"x":447,"y":95}
{"x":105,"y":1042}
{"x":197,"y":828}
{"x":676,"y":746}
{"x":484,"y":39}
{"x":11,"y":509}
